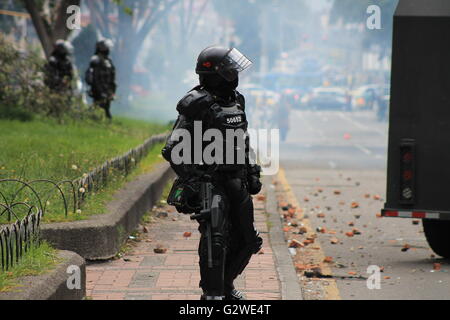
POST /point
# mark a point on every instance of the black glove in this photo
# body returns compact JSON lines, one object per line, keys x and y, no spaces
{"x":253,"y":175}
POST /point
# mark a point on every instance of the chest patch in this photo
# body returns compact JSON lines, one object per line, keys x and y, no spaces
{"x":236,"y":119}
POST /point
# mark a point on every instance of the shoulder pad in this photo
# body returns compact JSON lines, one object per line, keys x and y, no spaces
{"x":194,"y":102}
{"x":95,"y":59}
{"x":240,"y":99}
{"x":52,"y":60}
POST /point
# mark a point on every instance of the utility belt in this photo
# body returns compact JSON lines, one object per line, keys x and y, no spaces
{"x":185,"y":193}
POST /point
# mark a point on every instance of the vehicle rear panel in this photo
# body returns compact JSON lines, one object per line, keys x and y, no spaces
{"x":420,"y":113}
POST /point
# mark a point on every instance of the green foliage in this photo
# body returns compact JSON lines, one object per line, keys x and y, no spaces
{"x":44,"y":149}
{"x":125,"y":5}
{"x":15,"y":113}
{"x":23,"y":92}
{"x":7,"y":23}
{"x":99,"y":200}
{"x":38,"y":260}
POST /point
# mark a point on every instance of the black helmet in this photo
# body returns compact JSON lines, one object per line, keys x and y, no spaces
{"x":63,"y":48}
{"x":225,"y":62}
{"x":104,"y":46}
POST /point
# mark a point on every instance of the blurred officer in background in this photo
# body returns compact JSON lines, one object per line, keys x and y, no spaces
{"x":101,"y":76}
{"x":59,"y":70}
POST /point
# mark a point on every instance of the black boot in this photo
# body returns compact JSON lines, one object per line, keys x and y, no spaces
{"x":205,"y":296}
{"x":234,"y":295}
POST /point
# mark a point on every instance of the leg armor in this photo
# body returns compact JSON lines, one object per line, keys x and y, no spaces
{"x":212,"y":274}
{"x":244,"y":238}
{"x":106,"y":105}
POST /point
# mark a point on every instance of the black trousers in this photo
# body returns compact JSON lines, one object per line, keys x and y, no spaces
{"x":105,"y":104}
{"x":233,"y":242}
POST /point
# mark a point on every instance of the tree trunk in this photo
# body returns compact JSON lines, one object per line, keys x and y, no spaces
{"x":48,"y":33}
{"x":41,"y":29}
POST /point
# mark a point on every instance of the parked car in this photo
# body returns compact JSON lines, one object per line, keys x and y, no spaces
{"x":363,"y":98}
{"x":327,"y":98}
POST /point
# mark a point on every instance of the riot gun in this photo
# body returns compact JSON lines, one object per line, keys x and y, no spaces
{"x":210,"y":214}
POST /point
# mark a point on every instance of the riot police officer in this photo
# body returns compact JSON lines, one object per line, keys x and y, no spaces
{"x":101,"y":76}
{"x":59,"y":70}
{"x":216,"y":104}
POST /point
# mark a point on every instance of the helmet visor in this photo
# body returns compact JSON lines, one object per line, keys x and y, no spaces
{"x":233,"y":63}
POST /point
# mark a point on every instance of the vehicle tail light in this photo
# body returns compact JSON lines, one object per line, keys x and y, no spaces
{"x":407,"y":171}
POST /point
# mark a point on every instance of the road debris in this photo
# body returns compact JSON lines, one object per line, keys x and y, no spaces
{"x":162,"y":214}
{"x":159,"y":249}
{"x":261,"y":197}
{"x":294,"y":243}
{"x":321,"y":229}
{"x":349,"y":234}
{"x":437,"y":266}
{"x":334,"y":240}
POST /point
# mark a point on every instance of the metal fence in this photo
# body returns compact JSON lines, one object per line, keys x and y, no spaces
{"x":71,"y":193}
{"x":9,"y":205}
{"x":18,"y":238}
{"x":98,"y":177}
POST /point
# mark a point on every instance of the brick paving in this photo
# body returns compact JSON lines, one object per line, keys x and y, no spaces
{"x":142,"y":274}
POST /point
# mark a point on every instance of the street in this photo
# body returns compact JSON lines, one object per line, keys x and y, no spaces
{"x":335,"y":163}
{"x":335,"y":140}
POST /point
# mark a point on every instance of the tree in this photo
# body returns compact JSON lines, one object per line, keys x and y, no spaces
{"x":135,"y":20}
{"x":7,"y":22}
{"x":49,"y":19}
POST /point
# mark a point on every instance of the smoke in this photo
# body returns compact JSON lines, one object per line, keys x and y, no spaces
{"x":298,"y":38}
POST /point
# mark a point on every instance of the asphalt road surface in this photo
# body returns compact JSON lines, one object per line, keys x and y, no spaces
{"x":334,"y":159}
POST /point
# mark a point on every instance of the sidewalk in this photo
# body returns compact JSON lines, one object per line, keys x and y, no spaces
{"x":142,"y":274}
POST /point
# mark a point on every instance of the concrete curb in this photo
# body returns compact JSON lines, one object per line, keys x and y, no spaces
{"x":51,"y":285}
{"x":290,"y":287}
{"x":101,"y":236}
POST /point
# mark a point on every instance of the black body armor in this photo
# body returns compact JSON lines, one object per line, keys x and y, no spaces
{"x":237,"y":240}
{"x":59,"y":73}
{"x":228,"y":236}
{"x":101,"y":76}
